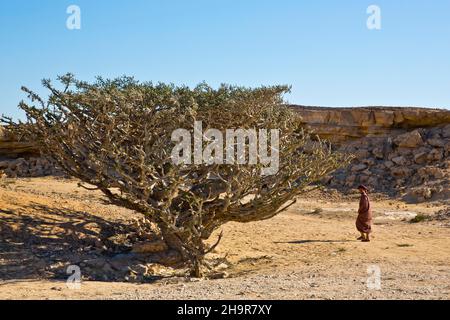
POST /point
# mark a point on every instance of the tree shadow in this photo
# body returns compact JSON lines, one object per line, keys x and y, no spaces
{"x":38,"y":241}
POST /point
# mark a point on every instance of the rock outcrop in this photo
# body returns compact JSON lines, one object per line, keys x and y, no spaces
{"x":341,"y":125}
{"x":12,"y":147}
{"x":414,"y":165}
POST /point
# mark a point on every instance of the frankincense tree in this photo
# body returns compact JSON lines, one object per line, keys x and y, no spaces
{"x":118,"y":135}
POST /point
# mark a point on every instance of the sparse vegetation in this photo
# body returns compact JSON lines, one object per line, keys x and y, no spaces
{"x":419,"y":218}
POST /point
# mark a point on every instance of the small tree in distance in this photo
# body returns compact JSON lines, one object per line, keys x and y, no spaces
{"x":117,"y":136}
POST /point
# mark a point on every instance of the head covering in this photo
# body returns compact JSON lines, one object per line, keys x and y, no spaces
{"x":363,"y":187}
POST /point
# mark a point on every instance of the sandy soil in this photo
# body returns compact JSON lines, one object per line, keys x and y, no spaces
{"x":308,"y":252}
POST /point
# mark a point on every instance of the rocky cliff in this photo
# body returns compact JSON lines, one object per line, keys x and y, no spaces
{"x":12,"y":147}
{"x":341,"y":125}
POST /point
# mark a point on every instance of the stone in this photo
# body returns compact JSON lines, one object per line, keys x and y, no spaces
{"x":378,"y":153}
{"x":388,"y":164}
{"x":369,"y":162}
{"x":373,"y":183}
{"x":107,"y":268}
{"x":169,"y":257}
{"x":400,"y":172}
{"x":421,"y":158}
{"x":436,"y":142}
{"x":362,"y":154}
{"x":435,"y":155}
{"x":4,"y":164}
{"x":446,"y":131}
{"x":149,"y":246}
{"x":121,"y":262}
{"x":399,"y":160}
{"x":411,"y":139}
{"x":364,"y":179}
{"x":401,"y":151}
{"x":417,"y":195}
{"x":434,"y":172}
{"x":350,"y":180}
{"x":95,"y":263}
{"x":344,"y":124}
{"x":447,"y":147}
{"x":359,"y":167}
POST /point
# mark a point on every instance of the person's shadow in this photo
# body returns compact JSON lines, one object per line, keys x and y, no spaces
{"x":310,"y":241}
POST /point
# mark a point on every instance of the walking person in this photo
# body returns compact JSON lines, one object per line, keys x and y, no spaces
{"x":364,"y":220}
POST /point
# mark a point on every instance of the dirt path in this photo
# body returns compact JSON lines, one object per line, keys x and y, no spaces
{"x":305,"y":253}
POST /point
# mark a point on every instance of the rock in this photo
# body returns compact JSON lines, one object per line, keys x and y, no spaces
{"x":435,"y":155}
{"x":378,"y":153}
{"x":218,"y":275}
{"x":434,"y":172}
{"x":411,"y":139}
{"x":417,"y":195}
{"x":400,"y":172}
{"x":359,"y":167}
{"x":446,"y":131}
{"x":343,"y":124}
{"x":421,"y":158}
{"x":369,"y":162}
{"x":436,"y":142}
{"x":364,"y":179}
{"x":399,"y":160}
{"x":388,"y":164}
{"x":373,"y":182}
{"x":107,"y":268}
{"x":4,"y":164}
{"x":149,"y":246}
{"x":121,"y":262}
{"x":350,"y":180}
{"x":11,"y":146}
{"x":401,"y":151}
{"x":169,"y":257}
{"x":97,"y":263}
{"x":447,"y":147}
{"x":362,"y":154}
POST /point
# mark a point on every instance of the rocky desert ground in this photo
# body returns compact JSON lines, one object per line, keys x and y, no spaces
{"x":308,"y":252}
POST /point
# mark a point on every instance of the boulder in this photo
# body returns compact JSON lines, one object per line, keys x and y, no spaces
{"x":150,"y":246}
{"x":421,"y":157}
{"x":400,"y":172}
{"x":399,"y":160}
{"x":388,"y":164}
{"x":436,"y":142}
{"x":12,"y":147}
{"x":433,"y":172}
{"x":411,"y":139}
{"x":359,"y":167}
{"x":362,"y":154}
{"x":435,"y":155}
{"x":417,"y":195}
{"x":344,"y":124}
{"x":378,"y":153}
{"x":446,"y":131}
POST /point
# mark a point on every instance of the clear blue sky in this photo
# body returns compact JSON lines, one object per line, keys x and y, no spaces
{"x":322,"y":48}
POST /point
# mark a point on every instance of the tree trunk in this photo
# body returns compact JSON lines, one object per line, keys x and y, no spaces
{"x":191,"y":251}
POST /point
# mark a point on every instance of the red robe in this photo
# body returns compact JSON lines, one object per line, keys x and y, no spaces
{"x":364,"y":220}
